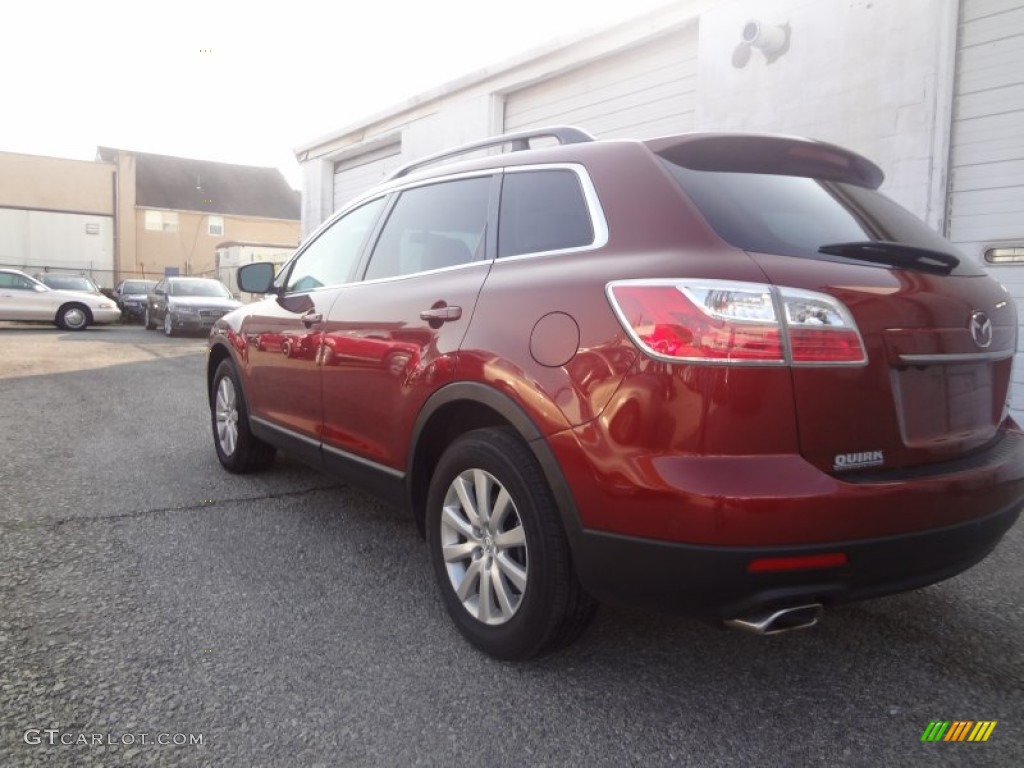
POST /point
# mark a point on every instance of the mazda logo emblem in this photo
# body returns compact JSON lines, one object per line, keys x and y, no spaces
{"x":981,"y":329}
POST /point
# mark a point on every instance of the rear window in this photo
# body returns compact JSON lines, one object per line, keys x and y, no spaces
{"x":137,"y":287}
{"x":796,"y":215}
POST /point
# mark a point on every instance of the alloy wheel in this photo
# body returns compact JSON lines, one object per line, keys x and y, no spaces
{"x":484,"y":547}
{"x":226,"y":407}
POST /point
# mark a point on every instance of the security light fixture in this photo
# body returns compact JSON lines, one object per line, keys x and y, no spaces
{"x":772,"y":40}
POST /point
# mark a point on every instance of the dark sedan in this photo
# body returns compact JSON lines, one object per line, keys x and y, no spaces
{"x":187,"y":304}
{"x":130,"y":296}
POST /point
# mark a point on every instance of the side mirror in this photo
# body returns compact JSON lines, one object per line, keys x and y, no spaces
{"x":158,"y":292}
{"x":256,"y":278}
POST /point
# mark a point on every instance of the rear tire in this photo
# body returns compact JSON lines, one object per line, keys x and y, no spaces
{"x":238,"y":449}
{"x":500,"y":555}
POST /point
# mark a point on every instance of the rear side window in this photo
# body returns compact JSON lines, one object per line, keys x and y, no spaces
{"x":541,"y":211}
{"x":433,"y":227}
{"x":7,"y":280}
{"x":796,"y":215}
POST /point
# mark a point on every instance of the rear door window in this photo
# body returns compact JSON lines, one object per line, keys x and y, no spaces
{"x":542,"y":210}
{"x":433,"y":227}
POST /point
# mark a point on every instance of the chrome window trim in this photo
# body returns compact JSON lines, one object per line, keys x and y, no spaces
{"x":392,"y":278}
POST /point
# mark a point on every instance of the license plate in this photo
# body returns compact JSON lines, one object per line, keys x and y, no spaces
{"x":944,"y":401}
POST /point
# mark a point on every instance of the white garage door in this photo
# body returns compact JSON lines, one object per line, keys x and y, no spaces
{"x":987,"y":191}
{"x":648,"y":91}
{"x":357,"y":174}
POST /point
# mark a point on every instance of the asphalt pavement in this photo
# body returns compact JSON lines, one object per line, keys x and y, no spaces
{"x":155,"y":610}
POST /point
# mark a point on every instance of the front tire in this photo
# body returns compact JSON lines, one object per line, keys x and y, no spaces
{"x":150,"y":325}
{"x":238,"y":449}
{"x":73,"y":317}
{"x":168,"y":324}
{"x":500,"y":555}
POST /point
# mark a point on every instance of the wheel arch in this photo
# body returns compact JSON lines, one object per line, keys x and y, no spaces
{"x":464,"y":406}
{"x":218,"y":353}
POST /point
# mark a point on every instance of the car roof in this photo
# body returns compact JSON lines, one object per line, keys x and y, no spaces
{"x":727,"y":151}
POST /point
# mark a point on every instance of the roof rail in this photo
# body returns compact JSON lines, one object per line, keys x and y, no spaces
{"x":565,"y":134}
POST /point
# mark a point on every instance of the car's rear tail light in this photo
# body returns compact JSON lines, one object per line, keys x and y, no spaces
{"x":720,"y":321}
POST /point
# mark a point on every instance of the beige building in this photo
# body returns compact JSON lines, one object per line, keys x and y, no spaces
{"x":172,"y":212}
{"x":132,"y":214}
{"x":57,"y":215}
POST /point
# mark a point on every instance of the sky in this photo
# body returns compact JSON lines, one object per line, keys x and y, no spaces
{"x":247,"y":82}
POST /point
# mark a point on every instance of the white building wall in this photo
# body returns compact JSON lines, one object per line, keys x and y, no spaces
{"x":645,"y":91}
{"x":987,"y":159}
{"x":871,"y":75}
{"x":61,"y":242}
{"x":471,"y":108}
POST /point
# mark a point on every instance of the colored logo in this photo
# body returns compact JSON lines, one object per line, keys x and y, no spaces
{"x":958,"y":730}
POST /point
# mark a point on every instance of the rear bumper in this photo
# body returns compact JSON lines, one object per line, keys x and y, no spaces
{"x":679,"y":533}
{"x":715,"y":581}
{"x":778,"y":500}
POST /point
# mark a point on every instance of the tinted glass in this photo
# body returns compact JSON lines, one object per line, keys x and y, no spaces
{"x":199,"y":287}
{"x":331,"y":259}
{"x":137,"y":286}
{"x":795,"y":215}
{"x":542,"y":211}
{"x":440,"y":225}
{"x":68,"y":283}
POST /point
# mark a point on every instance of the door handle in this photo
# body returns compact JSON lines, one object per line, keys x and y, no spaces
{"x":311,"y":318}
{"x":444,"y":314}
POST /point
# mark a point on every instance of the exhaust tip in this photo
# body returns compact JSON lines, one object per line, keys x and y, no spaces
{"x":782,"y":620}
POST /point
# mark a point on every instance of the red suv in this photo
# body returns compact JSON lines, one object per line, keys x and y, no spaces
{"x":711,"y":373}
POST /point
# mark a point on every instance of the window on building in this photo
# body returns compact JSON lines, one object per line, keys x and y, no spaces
{"x":432,"y":227}
{"x":162,"y":221}
{"x":542,"y":211}
{"x":215,"y":226}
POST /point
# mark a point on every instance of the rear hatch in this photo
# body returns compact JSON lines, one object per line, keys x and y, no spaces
{"x":938,"y":333}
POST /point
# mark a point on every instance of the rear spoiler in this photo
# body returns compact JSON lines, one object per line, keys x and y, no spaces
{"x":782,"y":155}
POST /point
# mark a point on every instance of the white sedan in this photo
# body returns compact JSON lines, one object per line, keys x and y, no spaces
{"x":25,"y":298}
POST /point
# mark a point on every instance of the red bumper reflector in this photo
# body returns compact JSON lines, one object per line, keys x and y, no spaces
{"x":766,"y":564}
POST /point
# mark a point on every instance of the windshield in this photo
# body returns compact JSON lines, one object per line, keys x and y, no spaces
{"x":797,"y":216}
{"x":198,"y":287}
{"x":69,"y":283}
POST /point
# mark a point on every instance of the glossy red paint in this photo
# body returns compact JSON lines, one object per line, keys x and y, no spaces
{"x":782,"y":456}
